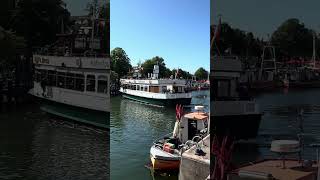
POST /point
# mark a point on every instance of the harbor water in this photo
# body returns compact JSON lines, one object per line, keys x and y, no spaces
{"x":134,"y":127}
{"x":281,"y":121}
{"x":35,"y":145}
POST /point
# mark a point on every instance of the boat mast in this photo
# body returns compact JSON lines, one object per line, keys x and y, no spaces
{"x":314,"y":50}
{"x":93,"y":18}
{"x":213,"y":42}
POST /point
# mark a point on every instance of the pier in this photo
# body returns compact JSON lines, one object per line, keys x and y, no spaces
{"x":193,"y":166}
{"x":10,"y":91}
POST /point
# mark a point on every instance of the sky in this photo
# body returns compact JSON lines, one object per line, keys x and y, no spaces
{"x":176,"y":30}
{"x":262,"y":17}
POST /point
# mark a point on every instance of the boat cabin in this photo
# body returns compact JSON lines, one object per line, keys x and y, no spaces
{"x":73,"y":80}
{"x":193,"y":124}
{"x":225,"y":77}
{"x":82,"y":74}
{"x":154,"y":86}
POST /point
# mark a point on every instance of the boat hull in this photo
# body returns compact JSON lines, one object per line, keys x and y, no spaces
{"x":159,"y":102}
{"x":91,"y":117}
{"x":238,"y":126}
{"x":164,"y":164}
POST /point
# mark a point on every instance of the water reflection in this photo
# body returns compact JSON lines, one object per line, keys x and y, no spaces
{"x":37,"y":146}
{"x":280,"y":120}
{"x":134,"y":126}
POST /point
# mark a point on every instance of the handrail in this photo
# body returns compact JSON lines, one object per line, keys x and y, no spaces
{"x":157,"y":140}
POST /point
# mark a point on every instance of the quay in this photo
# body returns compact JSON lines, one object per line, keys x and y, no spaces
{"x":13,"y":92}
{"x":193,"y":166}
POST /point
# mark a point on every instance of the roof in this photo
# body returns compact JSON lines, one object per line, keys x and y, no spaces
{"x":197,"y":116}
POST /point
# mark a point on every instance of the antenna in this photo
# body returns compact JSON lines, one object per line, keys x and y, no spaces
{"x":93,"y":18}
{"x":314,"y":50}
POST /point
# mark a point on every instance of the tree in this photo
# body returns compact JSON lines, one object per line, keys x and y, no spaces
{"x":292,"y":38}
{"x":147,"y":67}
{"x":201,"y":73}
{"x":182,"y":73}
{"x":40,"y":21}
{"x":120,"y":62}
{"x":239,"y":42}
{"x":11,"y":46}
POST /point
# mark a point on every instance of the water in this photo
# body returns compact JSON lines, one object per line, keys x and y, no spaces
{"x":34,"y":145}
{"x":134,"y":127}
{"x":280,"y":122}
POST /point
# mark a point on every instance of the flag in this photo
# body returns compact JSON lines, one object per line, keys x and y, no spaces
{"x":217,"y":30}
{"x":177,"y":72}
{"x":216,"y":33}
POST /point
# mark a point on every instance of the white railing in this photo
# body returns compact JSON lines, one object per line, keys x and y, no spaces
{"x":220,"y":108}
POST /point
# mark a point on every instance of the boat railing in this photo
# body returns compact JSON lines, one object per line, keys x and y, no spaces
{"x":167,"y":136}
{"x":85,"y":54}
{"x":244,"y":98}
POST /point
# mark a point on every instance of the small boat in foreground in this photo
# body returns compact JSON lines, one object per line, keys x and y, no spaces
{"x":166,"y":153}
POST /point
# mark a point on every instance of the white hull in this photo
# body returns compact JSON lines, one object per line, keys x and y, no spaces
{"x":152,"y":95}
{"x":94,"y":101}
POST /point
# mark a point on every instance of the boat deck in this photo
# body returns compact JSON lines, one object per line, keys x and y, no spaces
{"x":273,"y":169}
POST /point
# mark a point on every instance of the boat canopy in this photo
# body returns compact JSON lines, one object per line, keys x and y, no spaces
{"x":201,"y":116}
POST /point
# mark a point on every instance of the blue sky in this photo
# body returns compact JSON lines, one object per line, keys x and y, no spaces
{"x":177,"y":30}
{"x":263,"y":17}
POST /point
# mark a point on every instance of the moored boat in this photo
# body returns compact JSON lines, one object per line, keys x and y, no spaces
{"x":71,"y":77}
{"x":233,"y":111}
{"x":165,"y":153}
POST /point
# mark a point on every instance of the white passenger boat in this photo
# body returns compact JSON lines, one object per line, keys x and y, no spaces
{"x":71,"y":78}
{"x":152,"y":90}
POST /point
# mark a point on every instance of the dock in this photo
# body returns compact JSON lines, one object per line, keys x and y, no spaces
{"x":12,"y":92}
{"x":195,"y":167}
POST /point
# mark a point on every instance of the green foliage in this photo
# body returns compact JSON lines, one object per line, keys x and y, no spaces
{"x":11,"y":46}
{"x":148,"y":67}
{"x":241,"y":43}
{"x":292,"y":38}
{"x":182,"y":73}
{"x":201,"y":74}
{"x":39,"y":21}
{"x":120,"y":62}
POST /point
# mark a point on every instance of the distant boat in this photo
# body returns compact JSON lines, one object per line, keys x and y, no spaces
{"x":155,"y":91}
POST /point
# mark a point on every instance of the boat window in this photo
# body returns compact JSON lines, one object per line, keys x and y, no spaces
{"x":37,"y":75}
{"x":223,"y":88}
{"x":52,"y":78}
{"x":44,"y":75}
{"x":146,"y":88}
{"x":70,"y":81}
{"x":192,"y":128}
{"x":138,"y":88}
{"x":91,"y":83}
{"x":164,"y":89}
{"x":141,"y":88}
{"x":79,"y":82}
{"x":154,"y":89}
{"x":102,"y":84}
{"x":61,"y":79}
